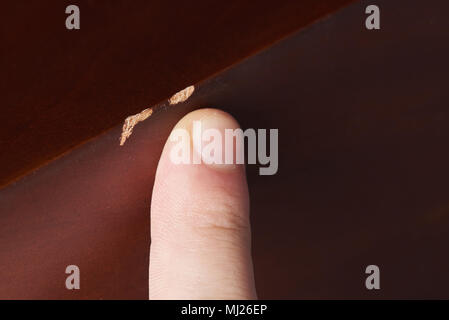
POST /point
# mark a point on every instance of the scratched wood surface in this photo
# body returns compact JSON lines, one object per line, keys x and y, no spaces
{"x":60,"y":88}
{"x":363,"y":172}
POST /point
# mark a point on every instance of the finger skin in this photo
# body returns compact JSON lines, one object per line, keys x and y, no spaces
{"x":200,"y":230}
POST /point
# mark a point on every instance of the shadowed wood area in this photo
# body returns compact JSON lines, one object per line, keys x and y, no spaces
{"x":363,"y":171}
{"x":60,"y":87}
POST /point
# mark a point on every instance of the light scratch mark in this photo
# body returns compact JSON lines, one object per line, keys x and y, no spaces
{"x":132,"y":121}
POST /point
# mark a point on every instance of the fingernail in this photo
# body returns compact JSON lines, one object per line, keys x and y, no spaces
{"x":213,"y":140}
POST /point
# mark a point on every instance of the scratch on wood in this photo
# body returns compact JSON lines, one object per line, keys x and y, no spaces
{"x":132,"y":121}
{"x":181,"y":96}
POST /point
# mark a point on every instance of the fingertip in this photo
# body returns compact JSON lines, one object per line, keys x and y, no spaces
{"x":200,"y":213}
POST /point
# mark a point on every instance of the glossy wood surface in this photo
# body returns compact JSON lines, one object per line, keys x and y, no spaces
{"x":363,"y":172}
{"x":60,"y":88}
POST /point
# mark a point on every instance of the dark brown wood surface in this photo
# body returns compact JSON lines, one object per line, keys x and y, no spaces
{"x":59,"y":88}
{"x":363,"y":172}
